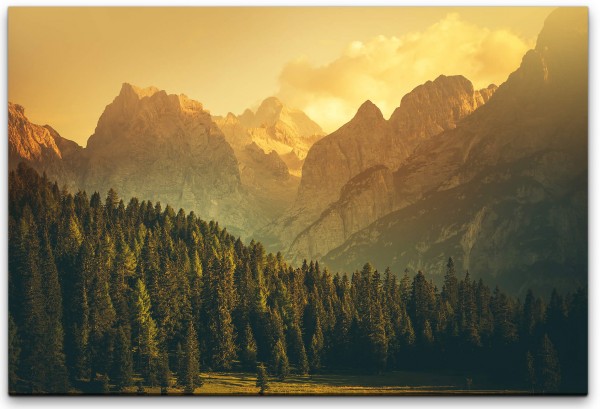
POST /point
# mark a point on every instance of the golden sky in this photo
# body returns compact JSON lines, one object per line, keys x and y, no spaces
{"x":66,"y":64}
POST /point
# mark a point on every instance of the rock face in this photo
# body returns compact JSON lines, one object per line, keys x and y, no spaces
{"x":165,"y":148}
{"x":505,"y":192}
{"x":436,"y":106}
{"x":367,"y":140}
{"x":39,"y":146}
{"x":287,"y":131}
{"x":367,"y":196}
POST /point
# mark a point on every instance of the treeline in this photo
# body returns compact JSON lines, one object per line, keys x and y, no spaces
{"x":105,"y":296}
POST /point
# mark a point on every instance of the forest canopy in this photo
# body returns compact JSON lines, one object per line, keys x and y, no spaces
{"x":103,"y":292}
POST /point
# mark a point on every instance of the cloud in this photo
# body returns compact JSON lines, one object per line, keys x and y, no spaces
{"x":383,"y":69}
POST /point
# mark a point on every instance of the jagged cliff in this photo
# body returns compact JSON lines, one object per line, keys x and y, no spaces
{"x":367,"y":140}
{"x":41,"y":147}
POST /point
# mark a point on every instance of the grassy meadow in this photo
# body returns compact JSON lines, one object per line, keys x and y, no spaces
{"x":341,"y":383}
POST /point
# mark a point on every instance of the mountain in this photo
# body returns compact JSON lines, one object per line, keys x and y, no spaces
{"x":367,"y":140}
{"x":287,"y":131}
{"x":265,"y":176}
{"x":219,"y":167}
{"x":166,"y":148}
{"x":505,"y":192}
{"x":41,"y":147}
{"x":270,"y":146}
{"x":147,"y":144}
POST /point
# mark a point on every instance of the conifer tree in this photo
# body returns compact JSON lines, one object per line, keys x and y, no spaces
{"x":281,"y":363}
{"x":530,"y":366}
{"x":101,"y":312}
{"x":58,"y":382}
{"x":262,"y":379}
{"x":298,"y":354}
{"x":450,"y":287}
{"x":164,"y":372}
{"x":190,"y":369}
{"x":548,"y":366}
{"x":34,"y":368}
{"x":316,"y":348}
{"x":248,"y":352}
{"x":144,"y":332}
{"x":378,"y":338}
{"x":122,"y":372}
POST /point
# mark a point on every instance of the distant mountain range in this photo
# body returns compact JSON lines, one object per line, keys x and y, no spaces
{"x":168,"y":149}
{"x":495,"y":178}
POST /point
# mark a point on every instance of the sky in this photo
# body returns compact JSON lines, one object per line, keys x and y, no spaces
{"x":66,"y":64}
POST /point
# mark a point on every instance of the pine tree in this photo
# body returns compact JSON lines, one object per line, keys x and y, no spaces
{"x":248,"y":352}
{"x":468,"y":312}
{"x":180,"y":369}
{"x":101,"y":311}
{"x":145,"y":332}
{"x":422,"y":302}
{"x":530,"y":365}
{"x":530,"y":315}
{"x":164,"y":372}
{"x":58,"y":382}
{"x":281,"y":363}
{"x":190,"y":370}
{"x":122,"y":372}
{"x":548,"y":366}
{"x":378,"y":338}
{"x":299,"y":358}
{"x":262,"y":379}
{"x":316,"y":348}
{"x":219,"y":298}
{"x":450,"y":287}
{"x":34,"y":368}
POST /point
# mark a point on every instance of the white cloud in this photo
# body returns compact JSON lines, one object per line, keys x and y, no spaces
{"x":383,"y":69}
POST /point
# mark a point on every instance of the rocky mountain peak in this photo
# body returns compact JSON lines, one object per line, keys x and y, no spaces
{"x":128,"y":89}
{"x":270,"y":106}
{"x":368,"y":111}
{"x":231,"y":118}
{"x":16,"y":109}
{"x":436,"y":106}
{"x":563,"y":33}
{"x":148,"y":113}
{"x":483,"y":95}
{"x":562,"y":41}
{"x":41,"y":147}
{"x":26,"y":140}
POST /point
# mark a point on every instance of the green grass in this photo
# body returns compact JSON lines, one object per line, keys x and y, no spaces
{"x":340,"y":383}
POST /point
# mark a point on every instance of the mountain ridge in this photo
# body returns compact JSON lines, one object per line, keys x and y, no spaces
{"x":368,"y":139}
{"x":527,"y":148}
